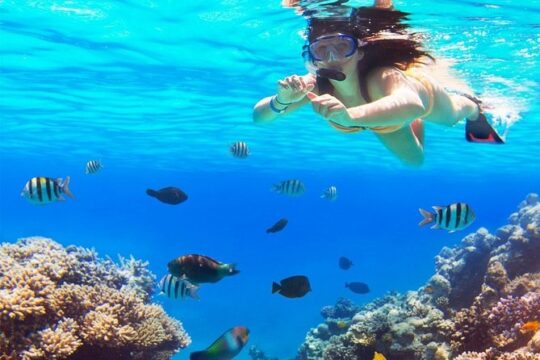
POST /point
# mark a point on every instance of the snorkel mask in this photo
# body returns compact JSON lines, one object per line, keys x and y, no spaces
{"x":330,"y":48}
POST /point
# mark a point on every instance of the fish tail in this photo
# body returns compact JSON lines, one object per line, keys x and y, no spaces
{"x":275,"y":287}
{"x":198,"y":355}
{"x":65,"y":188}
{"x":428,"y":217}
{"x":346,"y":285}
{"x":276,"y":188}
{"x":151,"y":192}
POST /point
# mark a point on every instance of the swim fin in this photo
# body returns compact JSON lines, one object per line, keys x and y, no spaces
{"x":480,"y":130}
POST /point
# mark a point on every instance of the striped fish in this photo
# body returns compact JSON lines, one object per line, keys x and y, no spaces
{"x":93,"y":166}
{"x":44,"y":190}
{"x":174,"y":287}
{"x":239,"y":149}
{"x":452,"y":217}
{"x":330,"y":193}
{"x":289,"y":187}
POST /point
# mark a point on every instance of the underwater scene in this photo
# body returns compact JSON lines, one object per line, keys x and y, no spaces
{"x":269,"y":180}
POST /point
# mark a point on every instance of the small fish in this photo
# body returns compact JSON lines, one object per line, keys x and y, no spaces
{"x":342,"y":324}
{"x":240,"y":150}
{"x":292,"y":287}
{"x":530,"y":326}
{"x":169,"y":195}
{"x":345,"y":263}
{"x":378,"y":356}
{"x":226,"y":347}
{"x":428,"y":289}
{"x":330,"y":193}
{"x":200,"y":269}
{"x":358,"y":287}
{"x":93,"y":166}
{"x":291,"y":187}
{"x":175,"y":287}
{"x":452,"y":217}
{"x":278,"y":226}
{"x":44,"y":190}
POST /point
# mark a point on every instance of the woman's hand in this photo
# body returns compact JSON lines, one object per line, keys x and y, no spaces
{"x":330,"y":108}
{"x":294,"y":88}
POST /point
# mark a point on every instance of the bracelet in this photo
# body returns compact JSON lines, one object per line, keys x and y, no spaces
{"x":280,"y":103}
{"x":273,"y":107}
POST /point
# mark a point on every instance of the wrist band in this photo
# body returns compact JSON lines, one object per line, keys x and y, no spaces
{"x":273,"y":107}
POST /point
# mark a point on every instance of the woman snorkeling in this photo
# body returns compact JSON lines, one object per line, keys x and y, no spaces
{"x":366,"y":74}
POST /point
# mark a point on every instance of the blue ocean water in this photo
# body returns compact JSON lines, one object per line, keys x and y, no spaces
{"x":158,"y":90}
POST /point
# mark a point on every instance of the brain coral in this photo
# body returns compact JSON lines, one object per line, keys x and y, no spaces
{"x":66,"y":303}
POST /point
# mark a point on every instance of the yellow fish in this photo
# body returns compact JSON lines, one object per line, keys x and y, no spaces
{"x":530,"y":326}
{"x":378,"y":356}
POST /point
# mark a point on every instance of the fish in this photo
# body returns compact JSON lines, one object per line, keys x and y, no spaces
{"x":174,"y":287}
{"x":240,"y":150}
{"x":290,"y":187}
{"x":44,"y":190}
{"x":330,"y":193}
{"x":93,"y":166}
{"x":358,"y":287}
{"x":169,"y":195}
{"x":452,"y":217}
{"x":226,"y":347}
{"x":200,"y":269}
{"x":530,"y":326}
{"x":292,"y":287}
{"x":342,"y":324}
{"x":345,"y":263}
{"x":378,"y":356}
{"x":428,"y":289}
{"x":278,"y":226}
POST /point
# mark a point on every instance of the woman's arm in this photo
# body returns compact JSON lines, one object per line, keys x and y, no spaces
{"x":291,"y":95}
{"x":398,"y":101}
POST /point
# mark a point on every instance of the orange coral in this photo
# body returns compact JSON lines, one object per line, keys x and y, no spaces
{"x":46,"y":314}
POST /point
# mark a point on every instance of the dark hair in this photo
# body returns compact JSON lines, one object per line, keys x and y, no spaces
{"x":385,"y":32}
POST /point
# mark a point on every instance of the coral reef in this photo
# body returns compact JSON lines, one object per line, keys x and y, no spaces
{"x":257,"y":354}
{"x":473,"y":307}
{"x":66,"y":303}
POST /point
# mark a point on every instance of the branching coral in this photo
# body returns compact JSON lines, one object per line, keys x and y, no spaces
{"x":58,"y":303}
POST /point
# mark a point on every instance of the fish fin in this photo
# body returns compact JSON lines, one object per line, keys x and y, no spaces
{"x":346,"y":285}
{"x":65,"y":188}
{"x":151,"y":192}
{"x":276,"y":188}
{"x":436,"y":226}
{"x":275,"y":287}
{"x":451,"y":231}
{"x":437,"y":208}
{"x":428,"y":217}
{"x":193,"y":292}
{"x":198,"y":355}
{"x":61,"y":198}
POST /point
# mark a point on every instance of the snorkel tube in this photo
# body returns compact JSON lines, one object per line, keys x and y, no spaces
{"x":332,"y":74}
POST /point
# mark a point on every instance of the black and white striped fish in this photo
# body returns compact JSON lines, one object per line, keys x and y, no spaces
{"x":452,"y":217}
{"x":330,"y":193}
{"x":175,"y":287}
{"x":239,"y":149}
{"x":291,"y":187}
{"x":93,"y":166}
{"x":44,"y":190}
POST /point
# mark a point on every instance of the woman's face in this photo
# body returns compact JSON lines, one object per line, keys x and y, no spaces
{"x":336,"y":51}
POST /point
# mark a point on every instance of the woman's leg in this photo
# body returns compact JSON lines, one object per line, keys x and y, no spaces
{"x":449,"y":108}
{"x":405,"y":144}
